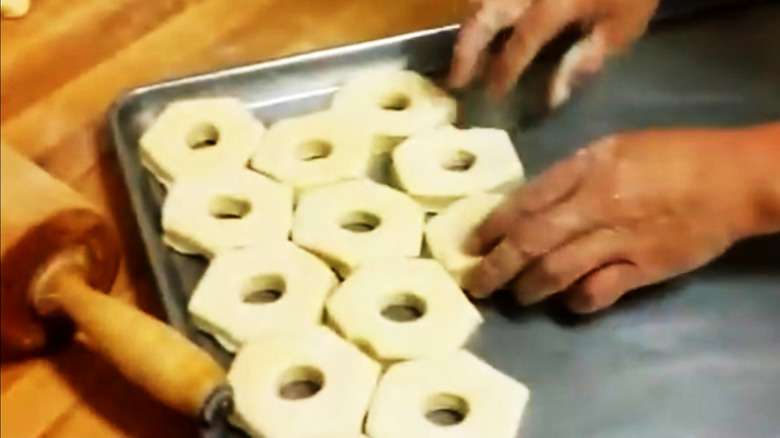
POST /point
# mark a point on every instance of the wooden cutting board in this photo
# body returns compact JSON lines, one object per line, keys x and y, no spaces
{"x":61,"y":67}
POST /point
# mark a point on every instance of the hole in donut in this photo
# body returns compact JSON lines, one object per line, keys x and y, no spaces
{"x":395,"y":102}
{"x":264,"y":289}
{"x":301,"y":382}
{"x":403,"y":307}
{"x":446,"y":409}
{"x":461,"y":161}
{"x":360,"y":222}
{"x":310,"y":150}
{"x":229,"y":207}
{"x":203,"y":135}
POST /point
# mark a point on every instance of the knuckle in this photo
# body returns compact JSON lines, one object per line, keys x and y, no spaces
{"x":525,"y":251}
{"x":491,"y":270}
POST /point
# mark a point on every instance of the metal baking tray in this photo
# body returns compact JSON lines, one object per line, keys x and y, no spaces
{"x":698,"y":356}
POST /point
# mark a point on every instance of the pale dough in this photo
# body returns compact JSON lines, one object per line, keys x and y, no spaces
{"x":345,"y":376}
{"x":193,"y":138}
{"x":226,"y":210}
{"x":437,"y":317}
{"x":393,"y":104}
{"x":438,"y":167}
{"x":351,"y":222}
{"x":314,"y":150}
{"x":490,"y":403}
{"x":248,"y":292}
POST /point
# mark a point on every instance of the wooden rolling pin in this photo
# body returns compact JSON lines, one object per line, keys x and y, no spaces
{"x":59,"y":256}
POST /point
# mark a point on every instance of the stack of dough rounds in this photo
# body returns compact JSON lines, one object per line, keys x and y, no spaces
{"x":341,"y":378}
{"x":446,"y":233}
{"x":441,"y":166}
{"x":314,"y":150}
{"x":393,"y":105}
{"x":403,"y":309}
{"x":283,"y":213}
{"x":250,"y":291}
{"x":352,"y":222}
{"x":192,"y":138}
{"x":230,"y":209}
{"x":484,"y":402}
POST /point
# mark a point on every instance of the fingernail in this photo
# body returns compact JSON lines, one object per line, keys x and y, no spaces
{"x":580,"y":303}
{"x":472,"y":291}
{"x":477,"y":295}
{"x":527,"y":296}
{"x":528,"y":300}
{"x":471,"y":286}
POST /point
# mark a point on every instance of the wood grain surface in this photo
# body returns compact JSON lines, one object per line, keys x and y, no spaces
{"x":61,"y":67}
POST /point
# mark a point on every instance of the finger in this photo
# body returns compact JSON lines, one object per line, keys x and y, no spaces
{"x":603,"y":287}
{"x":555,"y":185}
{"x":494,"y":271}
{"x":587,"y":57}
{"x":535,"y":236}
{"x":475,"y":35}
{"x":490,"y":232}
{"x":562,"y":267}
{"x":581,"y":62}
{"x":538,"y":26}
{"x":530,"y":238}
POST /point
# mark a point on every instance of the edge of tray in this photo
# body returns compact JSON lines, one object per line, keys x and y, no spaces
{"x":152,"y":243}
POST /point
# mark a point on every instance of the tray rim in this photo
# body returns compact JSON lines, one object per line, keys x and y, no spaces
{"x":127,"y":96}
{"x":144,"y":226}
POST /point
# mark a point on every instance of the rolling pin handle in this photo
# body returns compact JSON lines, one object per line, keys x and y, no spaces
{"x":148,"y":352}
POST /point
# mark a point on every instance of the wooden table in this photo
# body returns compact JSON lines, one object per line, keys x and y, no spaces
{"x":60,"y":69}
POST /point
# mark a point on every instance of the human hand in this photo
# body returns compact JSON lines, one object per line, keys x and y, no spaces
{"x":628,"y":211}
{"x":611,"y":26}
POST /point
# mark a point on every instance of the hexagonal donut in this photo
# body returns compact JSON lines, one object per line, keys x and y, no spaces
{"x":403,"y":309}
{"x":350,"y":222}
{"x":441,"y":166}
{"x":195,"y":137}
{"x":393,"y":104}
{"x":314,"y":150}
{"x":453,"y":395}
{"x":302,"y":383}
{"x":226,"y":210}
{"x":446,"y":233}
{"x":247,"y":292}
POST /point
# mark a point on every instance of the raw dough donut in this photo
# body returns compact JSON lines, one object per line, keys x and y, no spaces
{"x":249,"y":291}
{"x":403,"y":309}
{"x":350,"y":222}
{"x":446,"y":396}
{"x":340,"y":376}
{"x":446,"y":233}
{"x":226,"y":210}
{"x":439,"y":167}
{"x":393,"y":104}
{"x":196,"y":137}
{"x":14,"y":8}
{"x":314,"y":150}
